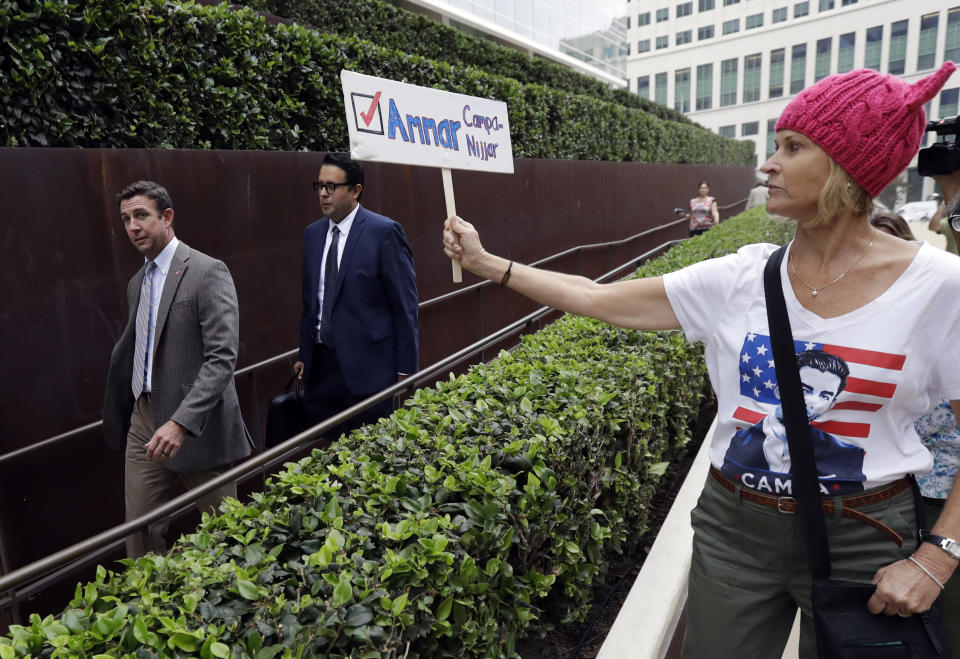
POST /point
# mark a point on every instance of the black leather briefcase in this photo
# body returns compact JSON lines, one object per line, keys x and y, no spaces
{"x":286,"y":416}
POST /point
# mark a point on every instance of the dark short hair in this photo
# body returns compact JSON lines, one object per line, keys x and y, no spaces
{"x":894,"y":223}
{"x":352,"y":168}
{"x":148,"y":189}
{"x":824,"y":361}
{"x":703,"y":183}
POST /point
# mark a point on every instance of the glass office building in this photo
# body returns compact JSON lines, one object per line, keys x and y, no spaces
{"x":751,"y":58}
{"x":589,"y":36}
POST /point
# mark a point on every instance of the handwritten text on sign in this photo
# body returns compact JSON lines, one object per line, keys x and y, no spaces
{"x":392,"y":121}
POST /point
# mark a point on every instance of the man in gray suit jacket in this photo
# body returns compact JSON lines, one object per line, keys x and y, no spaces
{"x":170,"y":394}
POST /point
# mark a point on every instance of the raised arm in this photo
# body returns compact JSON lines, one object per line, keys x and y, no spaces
{"x":634,"y":304}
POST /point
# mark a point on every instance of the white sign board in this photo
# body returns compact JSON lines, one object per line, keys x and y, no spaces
{"x":395,"y":122}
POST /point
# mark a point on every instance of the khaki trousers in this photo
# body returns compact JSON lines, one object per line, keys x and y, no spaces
{"x":149,"y":484}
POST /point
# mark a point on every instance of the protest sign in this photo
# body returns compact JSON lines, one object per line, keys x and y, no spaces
{"x":391,"y":121}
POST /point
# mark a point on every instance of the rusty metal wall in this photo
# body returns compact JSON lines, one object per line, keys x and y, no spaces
{"x":66,"y":262}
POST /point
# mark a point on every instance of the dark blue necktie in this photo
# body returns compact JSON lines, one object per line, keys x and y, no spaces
{"x":330,"y":274}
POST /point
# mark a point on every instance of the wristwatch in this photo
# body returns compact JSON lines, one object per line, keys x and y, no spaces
{"x":949,"y":545}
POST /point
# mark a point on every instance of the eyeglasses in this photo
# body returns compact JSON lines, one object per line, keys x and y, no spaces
{"x":329,"y":187}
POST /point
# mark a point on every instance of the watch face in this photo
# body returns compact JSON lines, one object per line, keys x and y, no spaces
{"x":952,"y":547}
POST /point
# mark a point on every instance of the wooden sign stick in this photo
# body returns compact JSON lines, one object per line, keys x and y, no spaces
{"x":451,"y":210}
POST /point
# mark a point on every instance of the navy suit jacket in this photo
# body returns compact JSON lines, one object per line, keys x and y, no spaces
{"x":375,"y":330}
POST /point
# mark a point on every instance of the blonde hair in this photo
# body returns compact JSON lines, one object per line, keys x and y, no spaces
{"x":841,"y":195}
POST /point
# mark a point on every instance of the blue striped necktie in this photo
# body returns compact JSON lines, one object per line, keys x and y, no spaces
{"x":143,"y":331}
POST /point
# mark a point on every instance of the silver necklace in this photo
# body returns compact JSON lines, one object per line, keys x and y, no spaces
{"x":815,"y":290}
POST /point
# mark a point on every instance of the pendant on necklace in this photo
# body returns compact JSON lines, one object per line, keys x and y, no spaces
{"x":814,"y":292}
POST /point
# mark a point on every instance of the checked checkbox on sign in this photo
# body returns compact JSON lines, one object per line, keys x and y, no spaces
{"x":366,"y":112}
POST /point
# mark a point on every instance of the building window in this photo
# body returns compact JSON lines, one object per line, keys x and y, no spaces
{"x":896,"y":64}
{"x":704,"y":86}
{"x":681,"y":91}
{"x":871,"y":55}
{"x":628,"y":22}
{"x":730,"y":2}
{"x":727,"y":131}
{"x":663,"y":14}
{"x":684,"y":37}
{"x":754,"y":20}
{"x":948,"y":103}
{"x":684,"y":9}
{"x":749,"y":128}
{"x":751,"y":77}
{"x":848,"y":42}
{"x":821,"y":66}
{"x":844,"y":3}
{"x":798,"y":67}
{"x":663,"y":42}
{"x":705,"y":32}
{"x":927,"y":50}
{"x":801,"y":9}
{"x":951,"y":48}
{"x":705,"y":5}
{"x":771,"y":137}
{"x":780,"y":15}
{"x":728,"y":82}
{"x":729,"y":27}
{"x":643,"y":19}
{"x":826,"y":5}
{"x":776,"y":73}
{"x":643,"y":46}
{"x":643,"y":87}
{"x":660,"y":88}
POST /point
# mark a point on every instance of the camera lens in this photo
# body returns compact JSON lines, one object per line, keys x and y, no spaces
{"x":955,"y":222}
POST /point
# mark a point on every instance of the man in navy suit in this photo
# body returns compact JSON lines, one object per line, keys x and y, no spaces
{"x":358,"y":328}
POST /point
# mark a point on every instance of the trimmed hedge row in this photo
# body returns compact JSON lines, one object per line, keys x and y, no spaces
{"x":481,"y":511}
{"x":149,"y":73}
{"x":392,"y":27}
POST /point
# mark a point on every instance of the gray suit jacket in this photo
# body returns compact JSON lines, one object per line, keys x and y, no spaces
{"x":195,"y":352}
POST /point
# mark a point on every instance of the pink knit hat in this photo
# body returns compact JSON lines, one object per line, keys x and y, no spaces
{"x":871,"y":124}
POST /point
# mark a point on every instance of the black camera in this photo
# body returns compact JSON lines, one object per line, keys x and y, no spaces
{"x":679,"y":211}
{"x":942,"y":157}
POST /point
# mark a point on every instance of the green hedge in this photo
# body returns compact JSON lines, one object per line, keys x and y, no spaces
{"x":415,"y":34}
{"x":481,"y":511}
{"x":148,"y":73}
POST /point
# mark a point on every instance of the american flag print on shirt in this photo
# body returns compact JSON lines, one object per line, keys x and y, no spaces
{"x":870,"y":385}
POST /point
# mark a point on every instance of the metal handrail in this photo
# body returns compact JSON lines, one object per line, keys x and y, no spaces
{"x":14,"y":579}
{"x":75,"y":432}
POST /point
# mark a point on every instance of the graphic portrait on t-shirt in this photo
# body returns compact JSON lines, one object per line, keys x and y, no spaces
{"x":758,"y":456}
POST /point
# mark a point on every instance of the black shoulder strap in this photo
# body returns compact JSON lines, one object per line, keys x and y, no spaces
{"x":806,"y":485}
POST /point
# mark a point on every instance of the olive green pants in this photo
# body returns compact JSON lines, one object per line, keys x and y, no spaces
{"x":749,"y":572}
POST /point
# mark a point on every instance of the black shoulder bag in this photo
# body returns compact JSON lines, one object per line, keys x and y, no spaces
{"x":845,"y":628}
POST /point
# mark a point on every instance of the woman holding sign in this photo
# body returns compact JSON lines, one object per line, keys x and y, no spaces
{"x":861,"y":303}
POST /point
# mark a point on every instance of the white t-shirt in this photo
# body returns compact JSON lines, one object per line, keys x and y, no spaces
{"x":900,"y":350}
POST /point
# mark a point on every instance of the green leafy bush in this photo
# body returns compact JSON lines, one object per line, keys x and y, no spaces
{"x":148,"y":73}
{"x":395,"y":28}
{"x":481,"y":511}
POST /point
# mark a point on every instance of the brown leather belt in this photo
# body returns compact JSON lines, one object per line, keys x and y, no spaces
{"x":848,"y":505}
